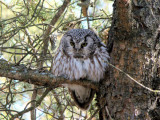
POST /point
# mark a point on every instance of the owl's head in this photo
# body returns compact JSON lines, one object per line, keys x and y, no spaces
{"x":80,"y":43}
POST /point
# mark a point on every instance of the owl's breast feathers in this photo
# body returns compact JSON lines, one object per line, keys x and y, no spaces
{"x":77,"y":68}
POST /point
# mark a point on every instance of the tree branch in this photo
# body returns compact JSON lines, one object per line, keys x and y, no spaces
{"x":37,"y":77}
{"x":37,"y":103}
{"x":49,"y":28}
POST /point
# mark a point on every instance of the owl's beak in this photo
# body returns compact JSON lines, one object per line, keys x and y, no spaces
{"x":78,"y":56}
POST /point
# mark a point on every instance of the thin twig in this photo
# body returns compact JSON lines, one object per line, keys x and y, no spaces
{"x":151,"y":90}
{"x":38,"y":102}
{"x":106,"y":108}
{"x":96,"y":111}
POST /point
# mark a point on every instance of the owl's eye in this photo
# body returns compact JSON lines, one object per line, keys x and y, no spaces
{"x":83,"y":44}
{"x":72,"y":43}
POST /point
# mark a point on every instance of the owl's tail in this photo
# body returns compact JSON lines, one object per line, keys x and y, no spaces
{"x":82,"y":96}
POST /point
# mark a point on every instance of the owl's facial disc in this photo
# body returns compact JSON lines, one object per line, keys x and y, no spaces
{"x":80,"y":48}
{"x":78,"y":52}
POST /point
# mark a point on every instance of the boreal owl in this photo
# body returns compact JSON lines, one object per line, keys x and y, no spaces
{"x":81,"y":55}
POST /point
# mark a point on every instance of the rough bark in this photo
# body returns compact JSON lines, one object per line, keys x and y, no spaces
{"x":136,"y":50}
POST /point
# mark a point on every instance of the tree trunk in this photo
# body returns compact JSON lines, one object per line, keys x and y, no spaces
{"x":135,"y":37}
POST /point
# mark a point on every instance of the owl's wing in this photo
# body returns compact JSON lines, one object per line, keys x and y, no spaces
{"x":76,"y":95}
